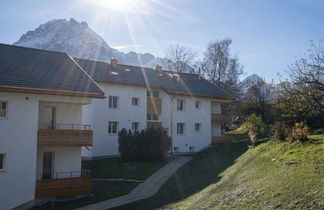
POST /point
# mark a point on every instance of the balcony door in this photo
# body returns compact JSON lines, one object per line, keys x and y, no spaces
{"x":50,"y":116}
{"x":48,"y":159}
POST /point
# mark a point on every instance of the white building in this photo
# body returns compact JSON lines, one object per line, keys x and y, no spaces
{"x":42,"y":95}
{"x":186,"y":105}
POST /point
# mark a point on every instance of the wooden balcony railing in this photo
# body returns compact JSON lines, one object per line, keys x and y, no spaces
{"x":154,"y":105}
{"x":65,"y":135}
{"x":64,"y":187}
{"x":219,"y":117}
{"x":220,"y":139}
{"x":152,"y":124}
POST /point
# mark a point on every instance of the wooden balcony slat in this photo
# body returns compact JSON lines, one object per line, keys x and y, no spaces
{"x":220,"y":139}
{"x":65,"y":137}
{"x":154,"y":124}
{"x":63,"y":187}
{"x":221,"y":117}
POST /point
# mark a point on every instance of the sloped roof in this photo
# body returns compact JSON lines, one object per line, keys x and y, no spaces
{"x":39,"y":71}
{"x":189,"y":84}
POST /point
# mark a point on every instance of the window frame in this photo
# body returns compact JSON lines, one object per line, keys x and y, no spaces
{"x":138,"y":126}
{"x":151,"y":118}
{"x":199,"y":104}
{"x":150,"y":93}
{"x":3,"y":162}
{"x":183,"y":105}
{"x":179,"y":129}
{"x":112,"y":104}
{"x":110,"y":128}
{"x":6,"y":110}
{"x":137,"y":99}
{"x":200,"y":125}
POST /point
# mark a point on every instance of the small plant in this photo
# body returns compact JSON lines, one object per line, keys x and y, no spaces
{"x":256,"y":126}
{"x":300,"y":132}
{"x":279,"y":131}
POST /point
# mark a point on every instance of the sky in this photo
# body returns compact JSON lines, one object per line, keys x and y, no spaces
{"x":267,"y":35}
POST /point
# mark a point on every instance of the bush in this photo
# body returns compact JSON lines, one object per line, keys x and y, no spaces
{"x":257,"y":128}
{"x":300,"y":132}
{"x":148,"y":144}
{"x":280,"y":131}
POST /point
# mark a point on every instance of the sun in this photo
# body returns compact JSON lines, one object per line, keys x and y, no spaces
{"x":130,"y":6}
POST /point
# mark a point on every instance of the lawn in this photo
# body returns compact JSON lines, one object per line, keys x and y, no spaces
{"x":272,"y":175}
{"x":113,"y":168}
{"x":110,"y":168}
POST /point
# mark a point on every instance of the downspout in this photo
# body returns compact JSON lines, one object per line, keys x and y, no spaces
{"x":171,"y":123}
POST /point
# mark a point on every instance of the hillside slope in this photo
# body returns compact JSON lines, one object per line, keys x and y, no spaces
{"x":272,"y":175}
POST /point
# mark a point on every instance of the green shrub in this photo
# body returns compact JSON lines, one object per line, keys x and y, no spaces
{"x":257,"y":128}
{"x":148,"y":144}
{"x":300,"y":132}
{"x":279,"y":131}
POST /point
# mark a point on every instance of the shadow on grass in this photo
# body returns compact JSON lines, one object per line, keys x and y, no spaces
{"x":196,"y":175}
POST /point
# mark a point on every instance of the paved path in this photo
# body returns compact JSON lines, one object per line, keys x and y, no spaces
{"x":144,"y":190}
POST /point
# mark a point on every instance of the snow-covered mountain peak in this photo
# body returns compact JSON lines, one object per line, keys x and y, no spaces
{"x":78,"y":40}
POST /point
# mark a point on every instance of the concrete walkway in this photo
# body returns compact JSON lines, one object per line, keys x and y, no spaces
{"x":144,"y":190}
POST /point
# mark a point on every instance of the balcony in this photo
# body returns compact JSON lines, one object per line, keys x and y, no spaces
{"x":152,"y":124}
{"x":154,"y":105}
{"x":220,"y":117}
{"x":64,"y":187}
{"x":220,"y":139}
{"x":64,"y":135}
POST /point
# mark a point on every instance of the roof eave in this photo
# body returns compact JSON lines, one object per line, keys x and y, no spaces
{"x":49,"y":91}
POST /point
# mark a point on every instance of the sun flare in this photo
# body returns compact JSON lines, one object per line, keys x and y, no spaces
{"x":120,"y":5}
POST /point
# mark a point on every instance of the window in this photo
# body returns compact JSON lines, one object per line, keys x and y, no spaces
{"x":197,"y":127}
{"x":180,"y":128}
{"x":135,"y":126}
{"x":197,"y":104}
{"x":3,"y":109}
{"x":154,"y":93}
{"x":152,"y":116}
{"x":191,"y":149}
{"x":135,"y":101}
{"x":176,"y":149}
{"x":113,"y":102}
{"x":180,"y":105}
{"x":112,"y":127}
{"x":2,"y":160}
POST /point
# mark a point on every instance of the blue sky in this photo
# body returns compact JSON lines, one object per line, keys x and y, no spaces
{"x":267,"y":34}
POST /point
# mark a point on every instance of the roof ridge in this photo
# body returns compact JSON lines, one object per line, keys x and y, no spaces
{"x":143,"y":67}
{"x":30,"y":48}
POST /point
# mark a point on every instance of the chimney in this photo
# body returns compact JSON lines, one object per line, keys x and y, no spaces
{"x":113,"y":62}
{"x":158,"y":68}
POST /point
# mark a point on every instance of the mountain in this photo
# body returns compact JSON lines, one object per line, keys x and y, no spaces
{"x":78,"y":40}
{"x":246,"y":83}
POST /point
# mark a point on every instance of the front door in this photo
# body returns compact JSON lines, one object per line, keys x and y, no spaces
{"x":48,"y":165}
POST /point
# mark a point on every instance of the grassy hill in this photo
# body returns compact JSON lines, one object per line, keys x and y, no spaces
{"x":272,"y":175}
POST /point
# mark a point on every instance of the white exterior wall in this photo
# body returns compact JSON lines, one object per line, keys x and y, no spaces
{"x":107,"y":144}
{"x":19,"y":142}
{"x":190,"y":116}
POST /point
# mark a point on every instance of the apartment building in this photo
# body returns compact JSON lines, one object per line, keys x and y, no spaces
{"x":42,"y":95}
{"x":187,"y":106}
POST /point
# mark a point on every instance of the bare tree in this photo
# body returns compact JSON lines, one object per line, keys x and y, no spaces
{"x":181,"y":58}
{"x":219,"y":67}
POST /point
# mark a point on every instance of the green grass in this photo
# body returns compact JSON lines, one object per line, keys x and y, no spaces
{"x":113,"y":168}
{"x":272,"y":175}
{"x":240,"y":130}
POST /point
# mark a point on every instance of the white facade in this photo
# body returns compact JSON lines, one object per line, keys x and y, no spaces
{"x":18,"y":142}
{"x":99,"y":114}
